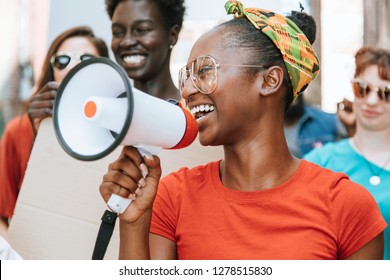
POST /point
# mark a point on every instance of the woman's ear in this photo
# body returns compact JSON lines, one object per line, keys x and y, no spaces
{"x":174,"y":35}
{"x":272,"y":80}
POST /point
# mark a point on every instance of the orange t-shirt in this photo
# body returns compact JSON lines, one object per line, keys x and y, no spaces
{"x":15,"y":148}
{"x":317,"y":214}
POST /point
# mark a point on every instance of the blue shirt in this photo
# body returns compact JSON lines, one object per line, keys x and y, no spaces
{"x":342,"y":157}
{"x":315,"y":128}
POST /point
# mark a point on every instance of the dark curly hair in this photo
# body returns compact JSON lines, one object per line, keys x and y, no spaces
{"x":263,"y":50}
{"x":172,"y":10}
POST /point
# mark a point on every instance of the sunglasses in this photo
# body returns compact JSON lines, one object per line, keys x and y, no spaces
{"x":203,"y":73}
{"x":62,"y":60}
{"x":361,"y":89}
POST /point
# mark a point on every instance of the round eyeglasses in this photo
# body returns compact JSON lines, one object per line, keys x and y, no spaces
{"x":203,"y":73}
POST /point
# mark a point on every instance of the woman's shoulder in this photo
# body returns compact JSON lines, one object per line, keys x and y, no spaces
{"x":18,"y":129}
{"x":336,"y":184}
{"x":320,"y":174}
{"x":18,"y":125}
{"x":186,"y":180}
{"x":194,"y":173}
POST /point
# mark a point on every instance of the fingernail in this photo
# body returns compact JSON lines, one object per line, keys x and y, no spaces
{"x":138,"y":191}
{"x":141,"y":183}
{"x":148,"y":156}
{"x":144,"y":170}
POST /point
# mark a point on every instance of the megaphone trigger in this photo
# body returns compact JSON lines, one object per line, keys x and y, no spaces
{"x":148,"y":151}
{"x":118,"y":204}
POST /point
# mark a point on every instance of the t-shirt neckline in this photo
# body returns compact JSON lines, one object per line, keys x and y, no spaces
{"x":257,"y":196}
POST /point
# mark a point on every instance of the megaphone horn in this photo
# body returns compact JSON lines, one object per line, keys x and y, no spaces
{"x":96,"y":109}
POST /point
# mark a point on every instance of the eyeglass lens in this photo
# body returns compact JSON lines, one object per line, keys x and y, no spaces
{"x":62,"y":61}
{"x":203,"y":74}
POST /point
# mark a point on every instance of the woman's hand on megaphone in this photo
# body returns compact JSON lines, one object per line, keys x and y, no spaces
{"x":41,"y":104}
{"x":135,"y":177}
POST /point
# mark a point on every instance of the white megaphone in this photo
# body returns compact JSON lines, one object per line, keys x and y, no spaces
{"x":96,"y":109}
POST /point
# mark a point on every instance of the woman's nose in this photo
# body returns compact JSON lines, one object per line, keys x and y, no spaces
{"x":128,"y":40}
{"x":372,"y":97}
{"x":187,"y":89}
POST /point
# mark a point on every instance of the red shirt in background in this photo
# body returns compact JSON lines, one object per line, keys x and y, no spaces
{"x":15,"y":148}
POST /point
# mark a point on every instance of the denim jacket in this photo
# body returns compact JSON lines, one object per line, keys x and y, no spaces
{"x":314,"y":129}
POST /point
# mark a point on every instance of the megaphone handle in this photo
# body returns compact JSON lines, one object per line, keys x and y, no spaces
{"x":117,"y":205}
{"x":104,"y":235}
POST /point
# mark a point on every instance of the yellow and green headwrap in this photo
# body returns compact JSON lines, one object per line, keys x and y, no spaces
{"x":298,"y":54}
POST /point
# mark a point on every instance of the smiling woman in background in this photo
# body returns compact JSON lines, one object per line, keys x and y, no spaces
{"x":259,"y":202}
{"x":67,"y":50}
{"x":143,"y":35}
{"x":365,"y":157}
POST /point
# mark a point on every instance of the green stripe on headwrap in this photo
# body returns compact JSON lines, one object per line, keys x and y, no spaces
{"x":298,"y":54}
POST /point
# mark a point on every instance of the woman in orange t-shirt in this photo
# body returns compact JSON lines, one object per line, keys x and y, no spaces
{"x":258,"y":202}
{"x":68,"y":49}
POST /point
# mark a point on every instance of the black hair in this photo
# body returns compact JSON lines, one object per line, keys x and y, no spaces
{"x":306,"y":23}
{"x":171,"y":10}
{"x":263,"y":50}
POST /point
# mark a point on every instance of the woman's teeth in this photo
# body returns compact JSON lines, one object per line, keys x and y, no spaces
{"x":132,"y":59}
{"x":201,"y":110}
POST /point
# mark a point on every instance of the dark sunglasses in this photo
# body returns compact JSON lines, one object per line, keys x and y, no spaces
{"x":62,"y":60}
{"x":362,"y":88}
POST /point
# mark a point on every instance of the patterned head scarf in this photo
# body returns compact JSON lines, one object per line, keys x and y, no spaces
{"x":298,"y":54}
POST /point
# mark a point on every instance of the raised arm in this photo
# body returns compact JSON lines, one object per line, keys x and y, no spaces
{"x":135,"y":177}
